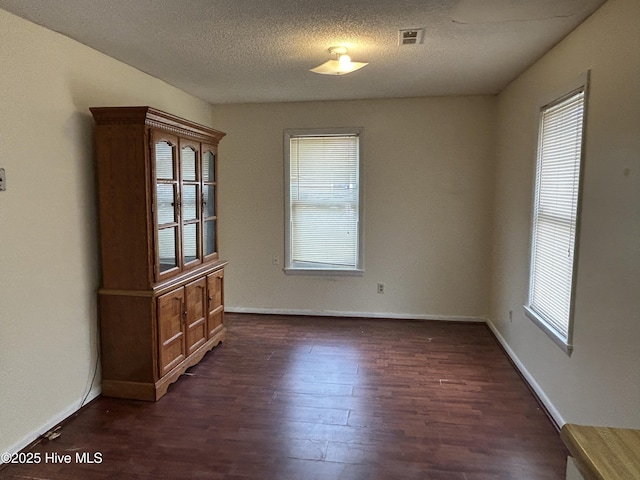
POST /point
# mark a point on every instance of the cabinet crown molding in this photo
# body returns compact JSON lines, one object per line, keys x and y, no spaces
{"x":152,"y":117}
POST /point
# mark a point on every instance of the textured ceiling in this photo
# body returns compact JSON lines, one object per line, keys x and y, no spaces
{"x":234,"y":51}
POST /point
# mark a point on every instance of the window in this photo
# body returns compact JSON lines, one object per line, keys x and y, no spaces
{"x":323,"y":202}
{"x":555,"y":217}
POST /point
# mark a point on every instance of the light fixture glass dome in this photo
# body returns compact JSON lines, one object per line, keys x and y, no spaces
{"x":341,"y":65}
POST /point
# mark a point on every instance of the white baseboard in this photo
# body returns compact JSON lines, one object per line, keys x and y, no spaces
{"x":52,"y":422}
{"x":553,"y":411}
{"x":335,"y":313}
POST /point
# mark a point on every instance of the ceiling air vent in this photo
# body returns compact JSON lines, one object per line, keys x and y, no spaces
{"x":410,"y":36}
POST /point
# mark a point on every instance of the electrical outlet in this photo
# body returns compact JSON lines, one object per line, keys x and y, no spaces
{"x":3,"y":180}
{"x":275,"y":260}
{"x":511,"y":315}
{"x":381,"y":288}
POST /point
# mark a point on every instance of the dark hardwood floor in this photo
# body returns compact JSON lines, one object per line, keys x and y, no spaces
{"x":327,"y":399}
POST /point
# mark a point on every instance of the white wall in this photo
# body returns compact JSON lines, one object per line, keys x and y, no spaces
{"x":428,"y":166}
{"x":600,"y":382}
{"x":48,"y":241}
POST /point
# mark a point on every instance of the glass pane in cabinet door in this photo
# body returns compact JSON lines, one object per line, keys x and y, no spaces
{"x":189,"y":202}
{"x":165,"y":198}
{"x":190,"y":242}
{"x":208,"y":166}
{"x":209,"y":201}
{"x":167,"y":249}
{"x":188,"y":160}
{"x":209,"y":237}
{"x":164,"y":161}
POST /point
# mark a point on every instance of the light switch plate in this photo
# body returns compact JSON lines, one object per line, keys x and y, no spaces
{"x":3,"y":180}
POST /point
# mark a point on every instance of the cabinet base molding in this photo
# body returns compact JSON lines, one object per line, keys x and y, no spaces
{"x":131,"y":390}
{"x":152,"y":392}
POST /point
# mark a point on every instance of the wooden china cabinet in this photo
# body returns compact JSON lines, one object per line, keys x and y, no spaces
{"x":161,"y":298}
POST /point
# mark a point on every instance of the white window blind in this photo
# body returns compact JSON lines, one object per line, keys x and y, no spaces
{"x":324,"y":202}
{"x":555,"y":216}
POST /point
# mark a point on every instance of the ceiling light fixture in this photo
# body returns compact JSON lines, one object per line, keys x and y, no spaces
{"x":340,"y":65}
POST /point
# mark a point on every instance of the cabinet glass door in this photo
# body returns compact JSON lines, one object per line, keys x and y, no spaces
{"x":191,"y":216}
{"x":166,"y":185}
{"x":208,"y":165}
{"x":209,"y":184}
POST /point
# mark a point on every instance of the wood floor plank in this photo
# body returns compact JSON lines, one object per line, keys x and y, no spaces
{"x":323,"y":398}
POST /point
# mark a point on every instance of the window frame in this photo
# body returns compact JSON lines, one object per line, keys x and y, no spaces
{"x":564,"y":341}
{"x":301,"y":268}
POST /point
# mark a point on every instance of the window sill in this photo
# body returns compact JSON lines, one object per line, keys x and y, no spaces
{"x":323,"y":272}
{"x":562,"y":342}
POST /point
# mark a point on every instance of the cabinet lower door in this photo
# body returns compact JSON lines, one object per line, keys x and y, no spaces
{"x":170,"y":330}
{"x":215,"y":291}
{"x":196,"y":327}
